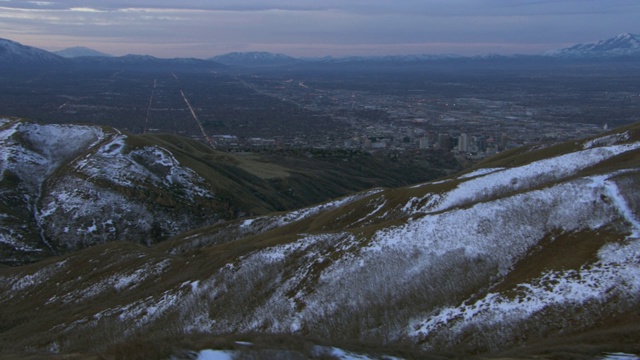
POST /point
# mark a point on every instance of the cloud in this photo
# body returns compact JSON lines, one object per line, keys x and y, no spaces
{"x":85,"y":9}
{"x":343,"y":25}
{"x":424,"y":7}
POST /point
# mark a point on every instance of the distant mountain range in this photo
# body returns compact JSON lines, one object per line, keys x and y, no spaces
{"x":254,"y":59}
{"x":145,"y":62}
{"x":12,"y":53}
{"x":15,"y":55}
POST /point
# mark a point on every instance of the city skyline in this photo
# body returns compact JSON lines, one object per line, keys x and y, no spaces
{"x":202,"y":29}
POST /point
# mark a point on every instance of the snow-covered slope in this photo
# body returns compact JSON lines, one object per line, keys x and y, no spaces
{"x":69,"y":186}
{"x":529,"y":247}
{"x":15,"y":53}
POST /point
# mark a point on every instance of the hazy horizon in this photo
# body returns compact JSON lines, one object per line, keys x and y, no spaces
{"x":305,"y":28}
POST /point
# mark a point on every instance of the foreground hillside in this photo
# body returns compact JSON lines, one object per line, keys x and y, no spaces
{"x":67,"y":187}
{"x":534,"y":252}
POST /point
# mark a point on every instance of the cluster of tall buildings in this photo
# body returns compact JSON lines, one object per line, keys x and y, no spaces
{"x":464,"y":143}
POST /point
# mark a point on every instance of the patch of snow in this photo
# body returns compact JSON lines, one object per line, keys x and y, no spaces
{"x":619,"y":356}
{"x":281,"y":252}
{"x":9,"y":132}
{"x":422,"y":204}
{"x":317,"y":351}
{"x":132,"y":280}
{"x":58,"y":142}
{"x":266,"y":223}
{"x":247,"y":223}
{"x":298,"y":215}
{"x":37,"y":278}
{"x":614,"y":275}
{"x":215,"y":355}
{"x":92,"y":228}
{"x":606,"y":140}
{"x":529,"y":175}
{"x":429,"y":183}
{"x":13,"y":238}
{"x":7,"y":151}
{"x":380,"y":203}
{"x":118,"y":282}
{"x":144,"y":311}
{"x":616,"y":253}
{"x":620,"y":202}
{"x":337,"y":353}
{"x":479,"y":172}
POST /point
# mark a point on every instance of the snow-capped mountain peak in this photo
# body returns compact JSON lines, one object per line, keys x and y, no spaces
{"x":626,"y":44}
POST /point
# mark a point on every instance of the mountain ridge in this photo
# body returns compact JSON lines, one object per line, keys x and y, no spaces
{"x":254,"y":58}
{"x":538,"y":244}
{"x":626,"y":45}
{"x":13,"y":53}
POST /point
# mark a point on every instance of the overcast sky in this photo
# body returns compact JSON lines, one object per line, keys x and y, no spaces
{"x":204,"y":28}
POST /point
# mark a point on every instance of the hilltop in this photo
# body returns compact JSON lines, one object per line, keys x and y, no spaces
{"x":531,"y":253}
{"x":78,"y":51}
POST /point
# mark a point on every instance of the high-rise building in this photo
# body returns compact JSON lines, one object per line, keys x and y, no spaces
{"x":444,"y":141}
{"x":463,"y":143}
{"x":479,"y":144}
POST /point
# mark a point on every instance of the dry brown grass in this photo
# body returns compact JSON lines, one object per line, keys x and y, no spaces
{"x":558,"y":251}
{"x":619,"y":333}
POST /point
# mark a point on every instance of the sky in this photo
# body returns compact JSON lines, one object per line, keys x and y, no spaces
{"x":315,"y":28}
